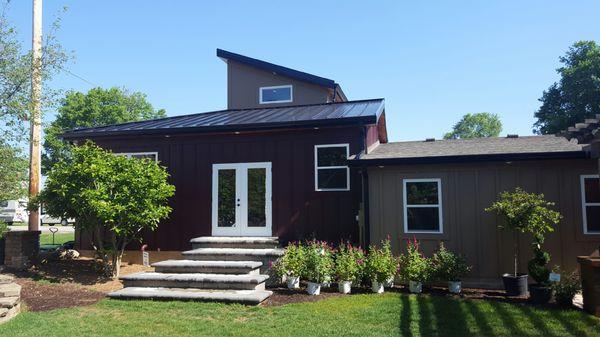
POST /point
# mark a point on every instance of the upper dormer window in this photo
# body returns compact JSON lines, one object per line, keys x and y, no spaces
{"x":278,"y":94}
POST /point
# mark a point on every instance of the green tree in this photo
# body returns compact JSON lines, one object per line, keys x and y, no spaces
{"x":95,"y":108}
{"x":13,"y":172}
{"x":112,"y":197}
{"x":482,"y":124}
{"x":526,"y":213}
{"x":576,"y":96}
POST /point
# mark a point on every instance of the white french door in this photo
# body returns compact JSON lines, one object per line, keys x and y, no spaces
{"x":241,"y":199}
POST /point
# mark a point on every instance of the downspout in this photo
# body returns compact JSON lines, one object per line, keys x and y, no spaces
{"x":365,"y":190}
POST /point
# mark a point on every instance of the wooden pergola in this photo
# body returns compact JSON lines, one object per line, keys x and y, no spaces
{"x":588,"y":134}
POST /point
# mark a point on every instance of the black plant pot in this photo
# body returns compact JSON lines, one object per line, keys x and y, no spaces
{"x":540,"y":294}
{"x":515,"y":285}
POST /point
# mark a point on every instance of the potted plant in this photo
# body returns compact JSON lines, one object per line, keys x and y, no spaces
{"x":291,"y":265}
{"x":450,"y":267}
{"x":318,"y":265}
{"x":540,"y":292}
{"x":566,"y":288}
{"x":525,"y":213}
{"x":348,"y":265}
{"x":415,"y":268}
{"x":381,"y":266}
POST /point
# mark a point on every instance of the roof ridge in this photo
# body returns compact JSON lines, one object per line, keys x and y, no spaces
{"x":222,"y":110}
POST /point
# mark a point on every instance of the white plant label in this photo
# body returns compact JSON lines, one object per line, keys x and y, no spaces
{"x":146,"y":259}
{"x":554,"y":277}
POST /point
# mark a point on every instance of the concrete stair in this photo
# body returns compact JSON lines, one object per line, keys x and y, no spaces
{"x":10,"y":298}
{"x":222,"y":269}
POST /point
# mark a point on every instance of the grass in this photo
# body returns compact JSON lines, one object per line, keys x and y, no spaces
{"x":390,"y":314}
{"x":59,"y":238}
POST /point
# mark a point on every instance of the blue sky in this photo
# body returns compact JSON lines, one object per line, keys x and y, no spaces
{"x":431,"y":61}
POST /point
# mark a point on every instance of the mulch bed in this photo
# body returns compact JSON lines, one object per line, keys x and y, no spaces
{"x":39,"y":296}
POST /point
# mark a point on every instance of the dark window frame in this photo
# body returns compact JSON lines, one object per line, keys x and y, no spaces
{"x":318,"y":168}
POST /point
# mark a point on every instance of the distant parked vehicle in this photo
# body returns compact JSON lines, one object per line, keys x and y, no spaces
{"x":50,"y":221}
{"x":12,"y":211}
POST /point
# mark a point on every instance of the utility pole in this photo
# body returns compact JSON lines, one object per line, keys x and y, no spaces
{"x":35,"y":152}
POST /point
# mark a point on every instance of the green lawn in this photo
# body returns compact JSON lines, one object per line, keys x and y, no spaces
{"x":390,"y":314}
{"x":59,"y":238}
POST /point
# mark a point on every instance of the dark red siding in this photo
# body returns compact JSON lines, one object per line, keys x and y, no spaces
{"x":298,"y":210}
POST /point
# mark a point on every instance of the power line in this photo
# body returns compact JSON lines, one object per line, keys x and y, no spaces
{"x":79,"y":77}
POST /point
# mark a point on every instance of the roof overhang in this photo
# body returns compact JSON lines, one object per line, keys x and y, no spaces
{"x":503,"y":157}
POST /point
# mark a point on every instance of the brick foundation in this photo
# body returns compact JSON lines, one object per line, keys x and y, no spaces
{"x":21,"y":249}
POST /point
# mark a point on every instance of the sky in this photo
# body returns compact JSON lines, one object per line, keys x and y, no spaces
{"x":432,"y":61}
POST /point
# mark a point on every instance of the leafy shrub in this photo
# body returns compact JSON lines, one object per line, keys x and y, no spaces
{"x":448,"y":266}
{"x":349,"y":262}
{"x":3,"y":229}
{"x":318,"y":261}
{"x":537,"y":266}
{"x":413,"y":265}
{"x":566,"y":288}
{"x":292,"y":263}
{"x":381,"y":264}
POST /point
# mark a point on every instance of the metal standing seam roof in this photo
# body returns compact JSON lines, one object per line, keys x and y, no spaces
{"x":281,"y":70}
{"x":363,"y":112}
{"x":457,"y":150}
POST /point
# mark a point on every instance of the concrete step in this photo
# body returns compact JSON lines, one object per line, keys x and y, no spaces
{"x":234,"y":254}
{"x":10,"y":290}
{"x":207,"y":267}
{"x":9,"y":302}
{"x":234,"y":242}
{"x":195,"y":280}
{"x":239,"y":296}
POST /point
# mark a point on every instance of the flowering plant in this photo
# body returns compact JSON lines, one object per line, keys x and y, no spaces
{"x":413,"y":265}
{"x":349,"y":262}
{"x":449,"y":266}
{"x":292,"y":263}
{"x":381,"y":264}
{"x":319,"y":261}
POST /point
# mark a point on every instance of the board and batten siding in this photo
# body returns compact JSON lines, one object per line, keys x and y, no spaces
{"x":467,"y":189}
{"x":299,"y":212}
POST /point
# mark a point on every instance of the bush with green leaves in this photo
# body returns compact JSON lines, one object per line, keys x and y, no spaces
{"x":3,"y":229}
{"x":527,"y":213}
{"x":318,"y":262}
{"x":293,"y":261}
{"x":414,"y":266}
{"x":381,"y":264}
{"x":349,"y":262}
{"x":448,"y":266}
{"x":565,"y":289}
{"x":113,"y":197}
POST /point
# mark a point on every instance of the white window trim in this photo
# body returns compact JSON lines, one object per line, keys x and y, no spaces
{"x":260,"y":94}
{"x":317,"y":168}
{"x":584,"y":204}
{"x":438,"y":205}
{"x":130,"y":154}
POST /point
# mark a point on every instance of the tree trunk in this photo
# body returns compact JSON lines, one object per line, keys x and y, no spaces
{"x":516,"y":239}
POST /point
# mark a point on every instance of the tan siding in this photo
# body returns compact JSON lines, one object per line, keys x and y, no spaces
{"x":467,"y":189}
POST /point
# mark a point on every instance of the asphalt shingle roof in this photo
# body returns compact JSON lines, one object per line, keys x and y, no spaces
{"x":465,"y":149}
{"x":362,"y":112}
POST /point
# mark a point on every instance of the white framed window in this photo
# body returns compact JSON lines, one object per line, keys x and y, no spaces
{"x":331,"y":168}
{"x":140,"y":155}
{"x":423,"y":206}
{"x":276,"y":94}
{"x":590,"y":203}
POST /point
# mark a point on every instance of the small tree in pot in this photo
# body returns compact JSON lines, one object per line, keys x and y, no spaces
{"x":450,"y":267}
{"x":524,"y":212}
{"x":381,"y":266}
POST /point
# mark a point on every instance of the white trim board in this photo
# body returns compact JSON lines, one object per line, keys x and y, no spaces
{"x":438,"y":205}
{"x":584,"y":204}
{"x":317,"y":168}
{"x":260,"y":94}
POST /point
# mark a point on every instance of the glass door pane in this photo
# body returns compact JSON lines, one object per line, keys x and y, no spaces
{"x":257,"y":178}
{"x":226,"y":198}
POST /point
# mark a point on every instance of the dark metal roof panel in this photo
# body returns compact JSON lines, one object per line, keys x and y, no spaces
{"x":342,"y":113}
{"x":281,"y":70}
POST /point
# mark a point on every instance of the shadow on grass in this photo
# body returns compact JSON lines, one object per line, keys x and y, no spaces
{"x":508,"y":320}
{"x":405,"y":316}
{"x":480,"y":319}
{"x":426,"y":322}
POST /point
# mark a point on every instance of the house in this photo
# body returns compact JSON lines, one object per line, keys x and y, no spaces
{"x":272,"y":164}
{"x":291,"y":157}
